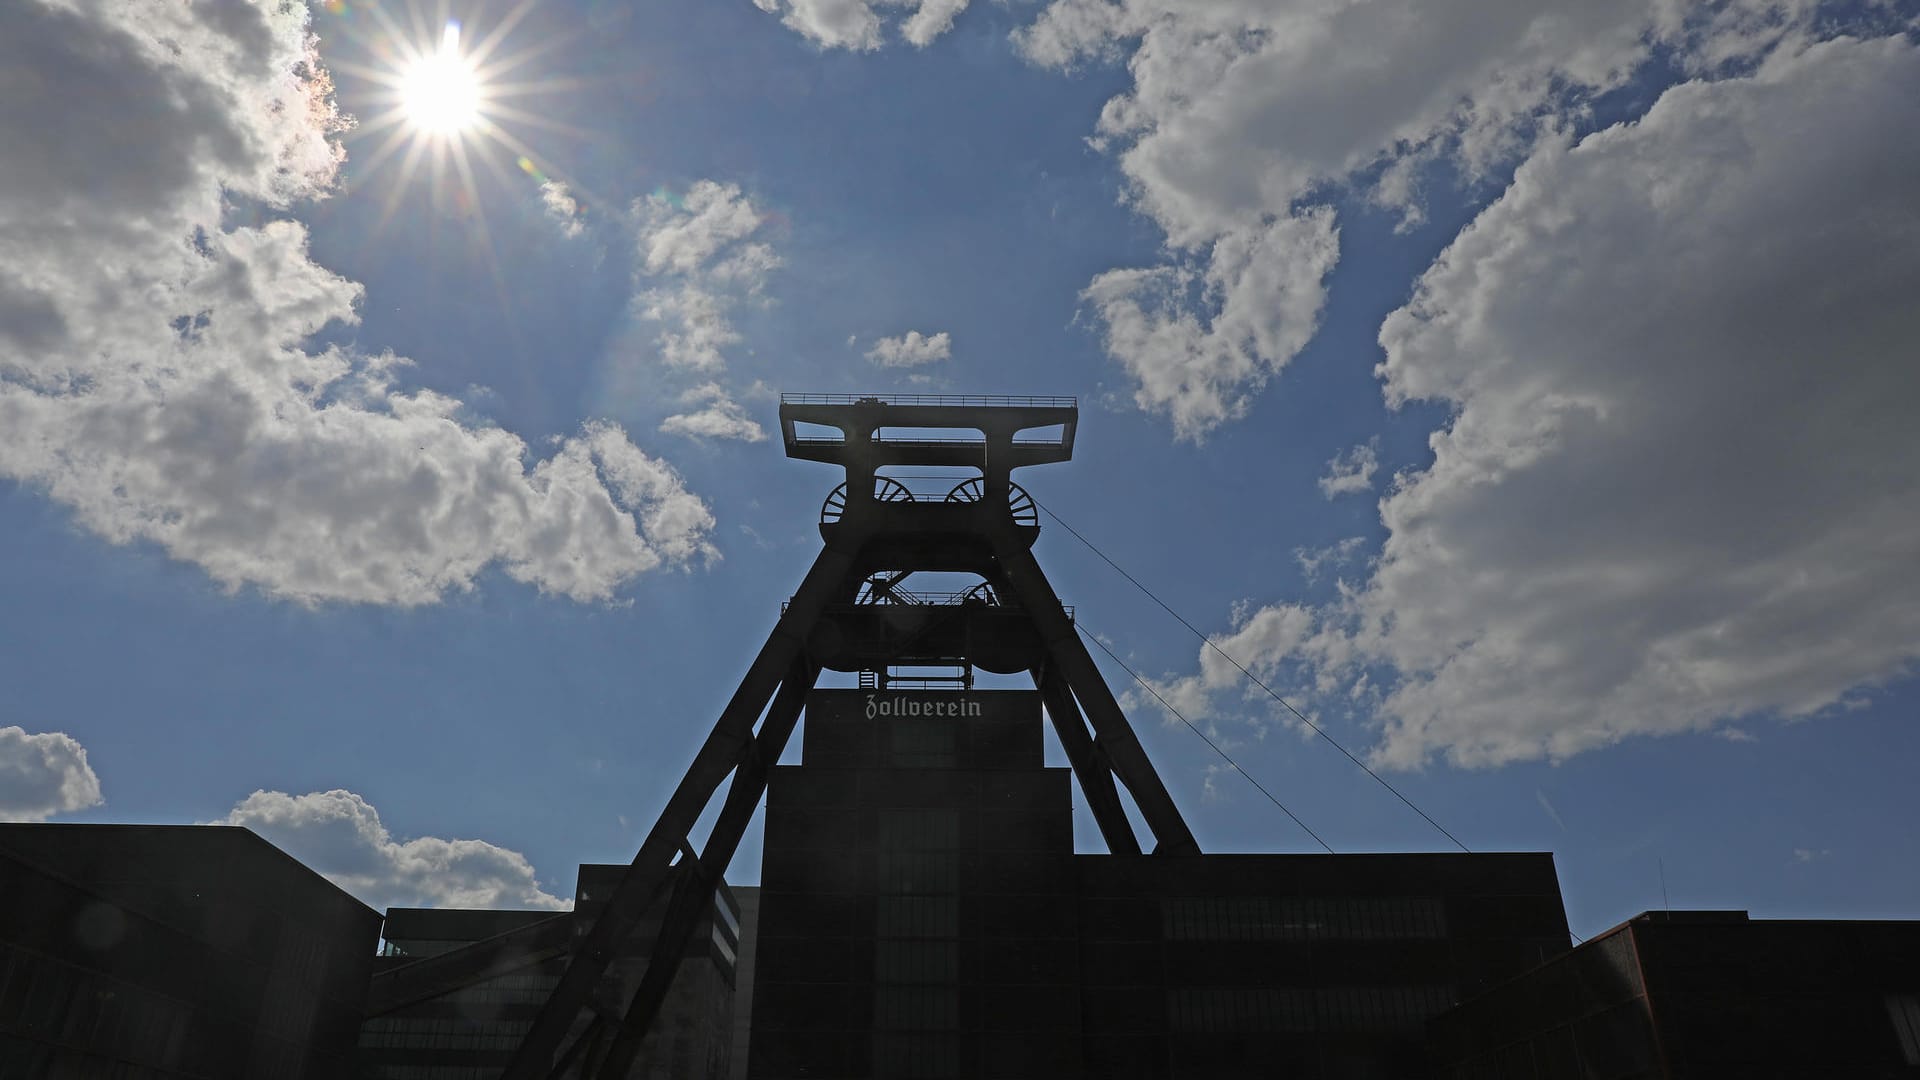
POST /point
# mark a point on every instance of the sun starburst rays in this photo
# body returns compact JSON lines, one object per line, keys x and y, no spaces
{"x":439,"y":102}
{"x":450,"y":108}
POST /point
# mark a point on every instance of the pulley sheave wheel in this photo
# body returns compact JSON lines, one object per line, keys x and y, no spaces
{"x":981,"y":594}
{"x":885,"y":489}
{"x":1018,"y":501}
{"x":880,"y":589}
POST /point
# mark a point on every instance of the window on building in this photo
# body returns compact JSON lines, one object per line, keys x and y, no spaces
{"x":919,"y":1055}
{"x":920,"y":830}
{"x":919,"y":917}
{"x":1260,"y":918}
{"x":916,"y":961}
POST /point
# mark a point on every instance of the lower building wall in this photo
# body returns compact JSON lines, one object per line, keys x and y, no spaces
{"x":1222,"y":966}
{"x":1686,"y":995}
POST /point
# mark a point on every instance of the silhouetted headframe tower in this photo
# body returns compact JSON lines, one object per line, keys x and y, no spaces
{"x":852,"y":614}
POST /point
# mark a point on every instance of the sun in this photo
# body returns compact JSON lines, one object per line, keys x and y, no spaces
{"x":440,"y":92}
{"x":435,"y":100}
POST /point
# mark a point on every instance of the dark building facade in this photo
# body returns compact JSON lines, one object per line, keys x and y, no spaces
{"x":174,"y":951}
{"x":1702,"y":994}
{"x":923,"y":915}
{"x":1225,"y":966}
{"x":459,"y":988}
{"x":917,"y":895}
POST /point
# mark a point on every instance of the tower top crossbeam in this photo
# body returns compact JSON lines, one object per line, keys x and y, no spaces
{"x":991,"y":433}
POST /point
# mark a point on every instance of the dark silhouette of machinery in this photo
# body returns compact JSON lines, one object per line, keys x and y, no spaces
{"x":852,"y":613}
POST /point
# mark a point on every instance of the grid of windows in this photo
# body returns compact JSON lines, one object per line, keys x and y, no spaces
{"x":47,"y":999}
{"x":916,"y":961}
{"x":918,"y":917}
{"x":1267,"y":918}
{"x":444,"y":1035}
{"x":912,"y":872}
{"x":922,"y":744}
{"x":919,"y":830}
{"x":499,"y":1037}
{"x":916,"y":1000}
{"x":916,"y":1008}
{"x":436,"y":1073}
{"x":1385,"y":1009}
{"x":921,"y":1053}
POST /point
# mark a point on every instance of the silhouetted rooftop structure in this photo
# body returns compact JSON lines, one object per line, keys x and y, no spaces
{"x":180,"y":950}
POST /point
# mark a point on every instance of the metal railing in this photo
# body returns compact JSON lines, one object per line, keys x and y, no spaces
{"x":835,"y":440}
{"x":976,"y":400}
{"x":900,"y":598}
{"x":957,"y":440}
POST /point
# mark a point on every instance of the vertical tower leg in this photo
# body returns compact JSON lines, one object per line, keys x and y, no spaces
{"x":1112,"y":733}
{"x":1090,"y":764}
{"x":727,"y":746}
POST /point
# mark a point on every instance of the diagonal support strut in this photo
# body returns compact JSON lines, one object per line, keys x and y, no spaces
{"x":726,"y":747}
{"x":1090,"y":764}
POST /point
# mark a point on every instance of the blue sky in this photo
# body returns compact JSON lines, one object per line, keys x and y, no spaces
{"x":1523,"y":394}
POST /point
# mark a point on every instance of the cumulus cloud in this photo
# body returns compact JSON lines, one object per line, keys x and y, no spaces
{"x":1239,"y":112}
{"x":857,"y":24}
{"x":562,"y":207}
{"x":1668,"y":498}
{"x":339,"y":834}
{"x":155,"y":375}
{"x":699,"y":256}
{"x":44,"y":774}
{"x":1351,"y":473}
{"x":1264,"y":640}
{"x":1262,"y":292}
{"x":717,"y":416}
{"x":911,"y":350}
{"x":706,"y":234}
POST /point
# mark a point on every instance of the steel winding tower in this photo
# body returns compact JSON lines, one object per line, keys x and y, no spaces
{"x":852,"y":614}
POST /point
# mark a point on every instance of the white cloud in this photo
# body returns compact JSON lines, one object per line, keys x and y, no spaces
{"x":719,"y":417}
{"x":911,"y":350}
{"x":701,"y":329}
{"x":339,"y":835}
{"x":930,"y":19}
{"x":1668,"y":498}
{"x":699,"y":257}
{"x":44,"y":774}
{"x":1238,"y":110}
{"x":705,"y":235}
{"x":1681,"y":485}
{"x":1261,"y":640}
{"x":1263,"y":290}
{"x":1352,"y":472}
{"x":562,"y":207}
{"x":1314,"y":560}
{"x":154,"y":372}
{"x":857,"y":25}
